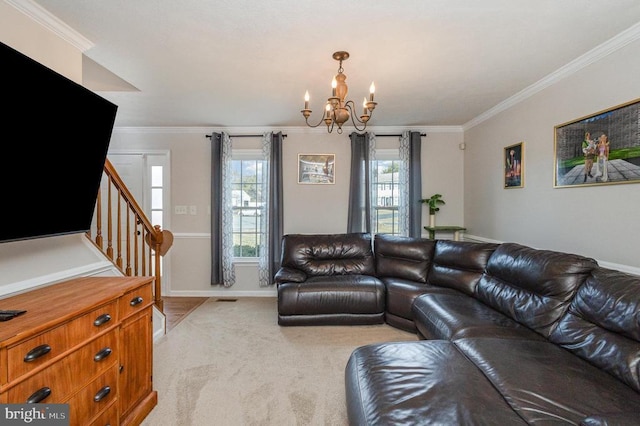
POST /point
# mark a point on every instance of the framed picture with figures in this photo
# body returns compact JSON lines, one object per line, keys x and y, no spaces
{"x":514,"y":166}
{"x":599,"y":149}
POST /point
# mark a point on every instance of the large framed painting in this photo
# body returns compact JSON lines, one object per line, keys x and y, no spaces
{"x":514,"y":166}
{"x":599,"y":149}
{"x":316,"y":168}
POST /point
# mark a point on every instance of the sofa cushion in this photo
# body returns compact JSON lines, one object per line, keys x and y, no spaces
{"x":459,"y":264}
{"x":400,"y":296}
{"x":403,"y":257}
{"x":546,"y":384}
{"x":602,"y":325}
{"x":415,"y":383}
{"x":533,"y":287}
{"x":346,"y":294}
{"x":451,"y":316}
{"x":328,"y":254}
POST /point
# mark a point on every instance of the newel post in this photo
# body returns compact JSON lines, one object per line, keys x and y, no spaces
{"x":156,"y":241}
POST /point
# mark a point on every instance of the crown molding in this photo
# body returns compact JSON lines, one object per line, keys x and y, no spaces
{"x":603,"y":50}
{"x":64,"y":31}
{"x":43,"y":17}
{"x":284,"y":129}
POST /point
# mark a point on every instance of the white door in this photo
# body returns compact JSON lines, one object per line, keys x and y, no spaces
{"x":131,"y":168}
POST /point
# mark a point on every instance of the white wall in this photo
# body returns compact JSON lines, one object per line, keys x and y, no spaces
{"x":597,"y":221}
{"x":307,"y":208}
{"x":568,"y":219}
{"x":28,"y":264}
{"x":23,"y":34}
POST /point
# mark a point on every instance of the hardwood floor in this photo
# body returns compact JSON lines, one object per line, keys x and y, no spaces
{"x":177,"y":308}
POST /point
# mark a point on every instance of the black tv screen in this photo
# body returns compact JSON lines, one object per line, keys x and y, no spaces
{"x":55,"y":139}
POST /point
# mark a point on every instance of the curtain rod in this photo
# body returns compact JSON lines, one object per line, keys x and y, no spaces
{"x":245,"y":136}
{"x":388,"y":136}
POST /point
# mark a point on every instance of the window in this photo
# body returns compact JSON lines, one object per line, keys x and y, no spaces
{"x":248,"y":203}
{"x":385,"y":192}
{"x":157,"y":191}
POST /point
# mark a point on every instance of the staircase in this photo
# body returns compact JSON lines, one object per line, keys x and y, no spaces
{"x":122,"y":231}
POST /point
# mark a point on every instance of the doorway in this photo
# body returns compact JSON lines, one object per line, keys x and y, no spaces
{"x":147,"y":176}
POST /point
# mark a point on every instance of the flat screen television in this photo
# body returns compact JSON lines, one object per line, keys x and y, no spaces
{"x":55,"y":139}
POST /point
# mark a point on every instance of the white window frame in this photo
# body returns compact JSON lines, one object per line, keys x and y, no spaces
{"x":248,"y":155}
{"x":383,"y":155}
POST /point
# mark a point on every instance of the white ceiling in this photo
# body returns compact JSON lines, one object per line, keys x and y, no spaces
{"x":242,"y":63}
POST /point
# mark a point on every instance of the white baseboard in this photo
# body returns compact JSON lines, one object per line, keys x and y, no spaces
{"x":222,"y":293}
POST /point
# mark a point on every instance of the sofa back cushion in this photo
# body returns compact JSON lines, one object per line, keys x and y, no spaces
{"x":533,"y":287}
{"x":328,"y":254}
{"x":602,"y":324}
{"x":403,"y":257}
{"x":459,"y":264}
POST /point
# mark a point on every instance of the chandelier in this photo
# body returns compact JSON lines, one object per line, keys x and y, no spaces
{"x":337,"y":109}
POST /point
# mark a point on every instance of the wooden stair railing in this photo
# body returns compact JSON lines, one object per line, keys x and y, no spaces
{"x":139,"y":245}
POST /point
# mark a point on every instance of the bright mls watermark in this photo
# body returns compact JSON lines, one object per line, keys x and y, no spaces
{"x":34,"y":414}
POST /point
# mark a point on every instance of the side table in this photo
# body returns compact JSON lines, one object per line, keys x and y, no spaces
{"x":446,"y":228}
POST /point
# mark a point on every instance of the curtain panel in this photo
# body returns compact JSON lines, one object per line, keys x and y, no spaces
{"x":222,"y":271}
{"x":359,"y":216}
{"x":272,"y":218}
{"x":410,"y":208}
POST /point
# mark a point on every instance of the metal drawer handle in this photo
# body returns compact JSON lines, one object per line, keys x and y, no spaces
{"x":102,"y":393}
{"x":102,"y":354}
{"x":136,"y":301}
{"x":37,"y":352}
{"x":102,"y":319}
{"x":39,"y":395}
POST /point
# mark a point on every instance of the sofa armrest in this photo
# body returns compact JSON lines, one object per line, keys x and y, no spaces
{"x":290,"y":275}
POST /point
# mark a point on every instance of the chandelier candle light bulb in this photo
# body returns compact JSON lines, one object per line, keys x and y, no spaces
{"x":306,"y":100}
{"x":372,"y":90}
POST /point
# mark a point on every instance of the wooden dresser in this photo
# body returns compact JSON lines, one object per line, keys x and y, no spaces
{"x":87,"y":342}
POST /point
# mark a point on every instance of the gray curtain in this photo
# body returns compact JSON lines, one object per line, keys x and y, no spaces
{"x":216,"y":209}
{"x":415,"y":185}
{"x":359,"y":218}
{"x":269,"y":265}
{"x":222,"y":268}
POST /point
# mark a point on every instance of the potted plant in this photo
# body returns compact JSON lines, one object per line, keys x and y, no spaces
{"x":433,"y":202}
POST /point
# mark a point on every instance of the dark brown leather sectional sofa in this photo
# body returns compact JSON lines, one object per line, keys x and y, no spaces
{"x":510,"y":334}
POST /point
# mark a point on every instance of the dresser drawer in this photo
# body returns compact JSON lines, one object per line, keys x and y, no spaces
{"x":94,"y":398}
{"x":108,"y":417}
{"x":41,"y":349}
{"x":136,"y":300}
{"x":68,"y":373}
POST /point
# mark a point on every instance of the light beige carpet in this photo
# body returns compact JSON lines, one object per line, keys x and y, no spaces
{"x":230,"y":364}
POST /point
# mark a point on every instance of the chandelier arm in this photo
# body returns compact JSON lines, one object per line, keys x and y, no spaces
{"x":349,"y":104}
{"x":319,"y":123}
{"x":332,"y":115}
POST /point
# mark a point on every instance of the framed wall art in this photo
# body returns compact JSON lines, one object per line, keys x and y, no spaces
{"x":514,"y":166}
{"x":316,"y":168}
{"x":599,"y":149}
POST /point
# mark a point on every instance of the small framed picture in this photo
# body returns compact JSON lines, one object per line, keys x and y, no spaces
{"x":318,"y":169}
{"x":600,"y":149}
{"x":514,"y":166}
